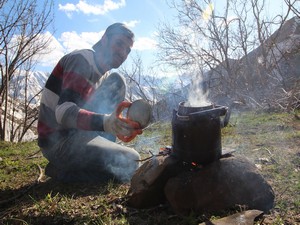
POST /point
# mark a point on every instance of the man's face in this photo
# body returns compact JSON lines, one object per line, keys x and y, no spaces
{"x":116,"y":49}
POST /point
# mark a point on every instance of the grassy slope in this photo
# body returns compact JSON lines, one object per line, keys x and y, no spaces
{"x":270,"y":140}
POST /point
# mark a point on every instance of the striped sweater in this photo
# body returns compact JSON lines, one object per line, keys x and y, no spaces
{"x":69,"y":86}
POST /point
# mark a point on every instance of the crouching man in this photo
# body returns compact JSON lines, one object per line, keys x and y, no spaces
{"x":77,"y":124}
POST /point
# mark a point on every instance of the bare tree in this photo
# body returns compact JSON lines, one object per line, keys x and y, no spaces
{"x":22,"y":27}
{"x":294,"y":5}
{"x":220,"y":41}
{"x":202,"y":43}
{"x":141,"y":83}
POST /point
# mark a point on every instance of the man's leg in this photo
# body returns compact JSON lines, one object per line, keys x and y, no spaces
{"x":86,"y":156}
{"x":113,"y":158}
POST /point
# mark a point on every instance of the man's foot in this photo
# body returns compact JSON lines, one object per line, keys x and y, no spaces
{"x":53,"y":172}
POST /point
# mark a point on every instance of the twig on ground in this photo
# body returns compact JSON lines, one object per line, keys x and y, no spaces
{"x":34,"y":155}
{"x":271,"y":155}
{"x":268,"y":151}
{"x":282,"y":192}
{"x":41,"y":176}
{"x":145,"y":159}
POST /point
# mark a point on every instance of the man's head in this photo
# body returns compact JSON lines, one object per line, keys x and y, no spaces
{"x":119,"y":28}
{"x":115,"y":45}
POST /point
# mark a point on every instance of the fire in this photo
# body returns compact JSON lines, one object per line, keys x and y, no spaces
{"x":166,"y":148}
{"x":195,"y":166}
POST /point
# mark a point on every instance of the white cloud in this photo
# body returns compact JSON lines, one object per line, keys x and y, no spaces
{"x":144,"y":43}
{"x":131,"y":23}
{"x":67,"y":7}
{"x":69,"y":41}
{"x":95,"y":9}
{"x":72,"y":40}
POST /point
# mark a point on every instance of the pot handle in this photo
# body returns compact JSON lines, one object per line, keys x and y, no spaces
{"x":226,"y":118}
{"x":182,"y":118}
{"x":218,"y":111}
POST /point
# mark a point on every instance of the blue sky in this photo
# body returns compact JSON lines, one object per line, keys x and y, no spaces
{"x":80,"y":23}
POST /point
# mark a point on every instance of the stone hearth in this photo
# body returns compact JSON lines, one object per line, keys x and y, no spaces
{"x":229,"y":183}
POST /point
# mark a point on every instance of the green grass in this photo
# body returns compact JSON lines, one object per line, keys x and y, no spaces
{"x":271,"y":141}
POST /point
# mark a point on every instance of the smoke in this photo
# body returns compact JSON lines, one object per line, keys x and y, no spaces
{"x":198,"y":94}
{"x":123,"y":165}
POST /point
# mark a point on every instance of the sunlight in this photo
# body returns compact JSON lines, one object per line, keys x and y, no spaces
{"x":206,"y":15}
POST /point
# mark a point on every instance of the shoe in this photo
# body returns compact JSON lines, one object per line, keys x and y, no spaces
{"x":52,"y":171}
{"x":59,"y":174}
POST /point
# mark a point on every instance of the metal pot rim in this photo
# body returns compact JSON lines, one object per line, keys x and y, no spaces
{"x":184,"y":110}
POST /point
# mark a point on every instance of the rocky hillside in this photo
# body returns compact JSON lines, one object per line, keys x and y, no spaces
{"x":265,"y":74}
{"x":267,"y":78}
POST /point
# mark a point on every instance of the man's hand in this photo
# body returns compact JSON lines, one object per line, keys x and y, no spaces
{"x":124,"y":129}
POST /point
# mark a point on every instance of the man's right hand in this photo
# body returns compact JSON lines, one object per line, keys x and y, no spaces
{"x":114,"y":125}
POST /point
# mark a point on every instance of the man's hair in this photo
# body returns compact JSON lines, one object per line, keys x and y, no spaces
{"x":119,"y":28}
{"x":116,"y":28}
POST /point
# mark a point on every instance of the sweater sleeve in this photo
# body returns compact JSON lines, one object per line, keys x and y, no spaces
{"x":76,"y":89}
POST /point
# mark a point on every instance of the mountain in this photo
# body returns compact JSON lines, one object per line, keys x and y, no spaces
{"x":267,"y":77}
{"x":23,"y":84}
{"x":34,"y":81}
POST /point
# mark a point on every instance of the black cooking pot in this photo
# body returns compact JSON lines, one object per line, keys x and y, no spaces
{"x":196,"y":132}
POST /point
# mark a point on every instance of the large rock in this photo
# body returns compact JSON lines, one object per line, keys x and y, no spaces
{"x":147,"y":184}
{"x":221,"y":185}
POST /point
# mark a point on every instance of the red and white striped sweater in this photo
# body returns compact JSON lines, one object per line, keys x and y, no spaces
{"x":68,"y":88}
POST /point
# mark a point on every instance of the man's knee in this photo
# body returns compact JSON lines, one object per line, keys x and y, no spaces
{"x":117,"y":82}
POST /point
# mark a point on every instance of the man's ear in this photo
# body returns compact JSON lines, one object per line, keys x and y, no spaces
{"x":104,"y":39}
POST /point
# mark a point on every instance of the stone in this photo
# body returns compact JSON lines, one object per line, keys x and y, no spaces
{"x":246,"y":218}
{"x":222,"y":185}
{"x":147,"y":184}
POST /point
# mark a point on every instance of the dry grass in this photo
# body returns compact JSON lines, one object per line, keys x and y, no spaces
{"x":271,"y":141}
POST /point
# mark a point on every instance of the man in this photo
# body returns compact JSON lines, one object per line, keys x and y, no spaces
{"x":77,"y":123}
